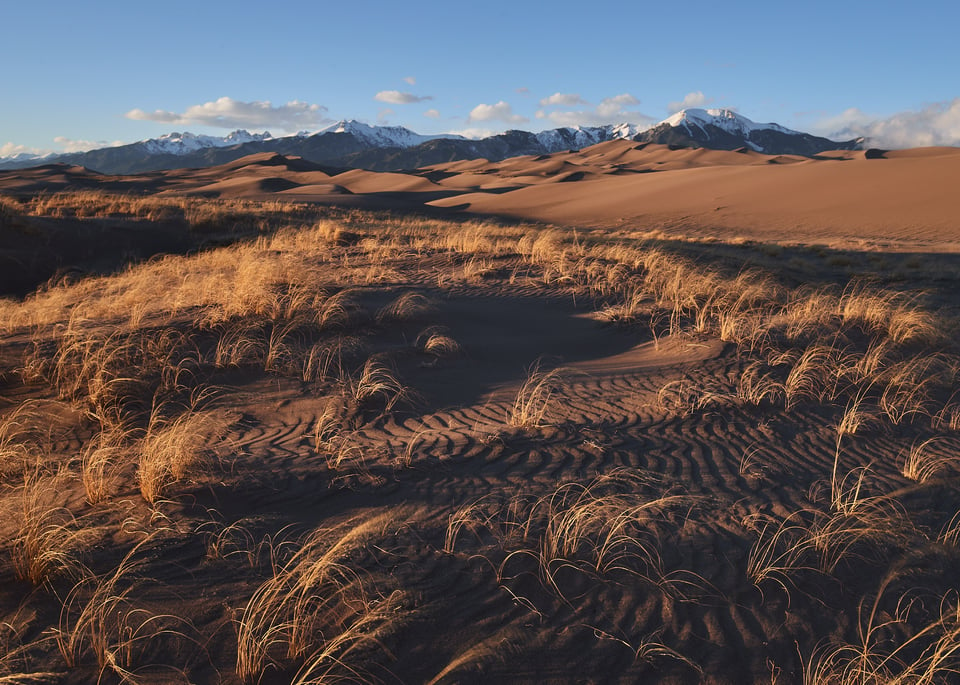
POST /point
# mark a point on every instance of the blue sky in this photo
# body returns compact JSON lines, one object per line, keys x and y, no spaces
{"x":84,"y":74}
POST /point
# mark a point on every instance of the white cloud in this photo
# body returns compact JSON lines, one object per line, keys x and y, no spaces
{"x":692,"y":99}
{"x":612,"y":110}
{"x":12,"y":149}
{"x":395,"y":97}
{"x":474,"y":132}
{"x":614,"y":106}
{"x":502,"y":111}
{"x":936,"y":124}
{"x":411,"y":80}
{"x":384,"y":114}
{"x":70,"y":145}
{"x":65,"y":145}
{"x":229,"y":113}
{"x":432,"y":114}
{"x":564,"y":99}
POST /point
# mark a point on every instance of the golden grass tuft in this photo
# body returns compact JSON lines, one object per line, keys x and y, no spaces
{"x":174,"y":447}
{"x":316,"y":611}
{"x":407,"y":307}
{"x":379,"y":385}
{"x":610,"y":525}
{"x":925,"y":460}
{"x":535,"y":397}
{"x":48,"y":540}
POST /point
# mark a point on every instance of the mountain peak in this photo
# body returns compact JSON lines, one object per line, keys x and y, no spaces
{"x":726,"y":129}
{"x":397,"y":147}
{"x":725,"y":119}
{"x":381,"y":136}
{"x":178,"y":143}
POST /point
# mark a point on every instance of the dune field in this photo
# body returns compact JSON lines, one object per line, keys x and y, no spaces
{"x":624,"y":414}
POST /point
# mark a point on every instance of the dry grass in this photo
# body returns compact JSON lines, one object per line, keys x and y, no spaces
{"x":407,"y":307}
{"x":535,"y":397}
{"x":15,"y":662}
{"x":436,"y":341}
{"x":48,"y":540}
{"x":494,"y":648}
{"x":925,"y":461}
{"x":608,"y":526}
{"x":103,"y":459}
{"x":27,"y":435}
{"x":682,"y":397}
{"x":378,"y":385}
{"x":100,"y":617}
{"x":174,"y":447}
{"x":780,"y":551}
{"x":316,"y":611}
{"x":895,"y":649}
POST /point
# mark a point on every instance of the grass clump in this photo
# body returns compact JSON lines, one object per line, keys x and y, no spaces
{"x":314,"y":617}
{"x":535,"y":397}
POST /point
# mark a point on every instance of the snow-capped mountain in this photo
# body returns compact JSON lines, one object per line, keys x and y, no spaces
{"x":725,"y":119}
{"x":576,"y":137}
{"x":383,"y":136}
{"x":391,"y":148}
{"x":185,"y":143}
{"x":26,"y":159}
{"x":727,"y":130}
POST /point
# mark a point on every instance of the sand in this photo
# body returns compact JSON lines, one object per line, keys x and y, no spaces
{"x":899,"y":198}
{"x":647,"y":519}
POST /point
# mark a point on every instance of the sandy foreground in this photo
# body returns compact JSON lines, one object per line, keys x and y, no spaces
{"x":703,"y":428}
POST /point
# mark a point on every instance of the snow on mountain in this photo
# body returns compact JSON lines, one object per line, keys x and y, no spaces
{"x":569,"y":137}
{"x":577,"y":137}
{"x":724,"y":119}
{"x":722,"y":128}
{"x":625,"y":131}
{"x":184,"y":143}
{"x":28,"y":157}
{"x":383,"y":136}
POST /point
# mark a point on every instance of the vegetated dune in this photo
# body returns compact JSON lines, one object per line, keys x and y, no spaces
{"x":362,"y":447}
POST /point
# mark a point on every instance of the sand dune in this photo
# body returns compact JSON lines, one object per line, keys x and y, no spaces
{"x":361,"y":181}
{"x":903,"y":197}
{"x":900,"y":198}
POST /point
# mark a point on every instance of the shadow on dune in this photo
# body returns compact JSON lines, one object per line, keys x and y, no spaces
{"x":503,"y":337}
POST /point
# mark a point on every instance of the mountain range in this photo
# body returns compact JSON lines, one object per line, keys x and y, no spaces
{"x":390,"y":148}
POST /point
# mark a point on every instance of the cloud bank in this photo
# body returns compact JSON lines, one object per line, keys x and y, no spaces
{"x":70,"y":145}
{"x":936,"y":124}
{"x":231,"y":114}
{"x":611,"y":110}
{"x":563,"y":99}
{"x":693,"y":99}
{"x":395,"y":97}
{"x":12,"y":149}
{"x":502,"y":111}
{"x":65,"y":144}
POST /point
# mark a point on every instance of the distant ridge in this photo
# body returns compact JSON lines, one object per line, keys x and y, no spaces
{"x":393,"y":148}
